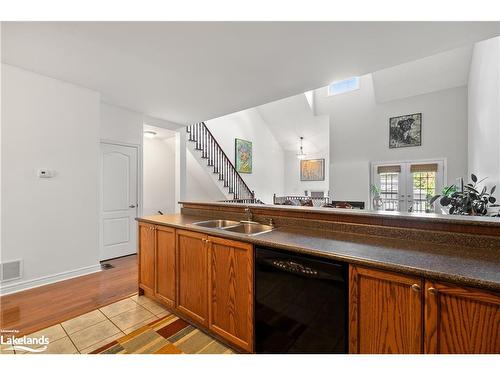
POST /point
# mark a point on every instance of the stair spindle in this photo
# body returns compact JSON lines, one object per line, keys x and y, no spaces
{"x":216,"y":158}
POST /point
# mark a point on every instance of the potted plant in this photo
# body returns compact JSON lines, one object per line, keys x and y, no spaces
{"x":377,"y":201}
{"x":466,"y":200}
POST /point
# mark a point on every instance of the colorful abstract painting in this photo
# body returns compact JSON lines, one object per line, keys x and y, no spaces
{"x":312,"y":170}
{"x":243,"y":155}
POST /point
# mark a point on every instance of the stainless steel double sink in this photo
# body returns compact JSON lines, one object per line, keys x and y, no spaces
{"x":250,"y":228}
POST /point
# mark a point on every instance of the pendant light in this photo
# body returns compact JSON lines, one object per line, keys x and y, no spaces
{"x":301,"y":155}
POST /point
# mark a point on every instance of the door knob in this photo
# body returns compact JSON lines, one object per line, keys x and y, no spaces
{"x":131,"y":206}
{"x":415,"y":288}
{"x":432,"y":291}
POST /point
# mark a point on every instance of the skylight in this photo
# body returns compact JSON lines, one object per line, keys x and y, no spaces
{"x":341,"y":87}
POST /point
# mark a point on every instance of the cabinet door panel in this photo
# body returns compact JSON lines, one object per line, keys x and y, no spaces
{"x":231,"y":291}
{"x":147,"y":257}
{"x":385,"y":312}
{"x":461,"y":320}
{"x":192,"y":281}
{"x":165,"y":265}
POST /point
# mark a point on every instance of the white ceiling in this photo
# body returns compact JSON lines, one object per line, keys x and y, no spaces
{"x":433,"y":73}
{"x":192,"y":71}
{"x":292,"y":118}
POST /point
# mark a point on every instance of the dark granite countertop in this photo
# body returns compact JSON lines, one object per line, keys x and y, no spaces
{"x":479,"y":267}
{"x":414,"y":216}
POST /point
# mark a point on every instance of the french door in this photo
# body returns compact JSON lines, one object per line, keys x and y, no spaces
{"x":407,"y":186}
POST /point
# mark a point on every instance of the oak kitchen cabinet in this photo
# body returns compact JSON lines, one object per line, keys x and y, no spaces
{"x":165,"y":276}
{"x":157,"y":262}
{"x":387,"y":315}
{"x":147,"y":239}
{"x":385,"y":312}
{"x":461,"y":320}
{"x":207,"y":279}
{"x":192,"y":282}
{"x":231,"y":291}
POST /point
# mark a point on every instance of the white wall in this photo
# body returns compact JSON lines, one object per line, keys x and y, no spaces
{"x":484,"y":111}
{"x":200,"y":186}
{"x":293,"y":184}
{"x":52,"y":224}
{"x":289,"y":119}
{"x":268,"y":175}
{"x":359,"y":134}
{"x":121,"y":125}
{"x":159,"y":175}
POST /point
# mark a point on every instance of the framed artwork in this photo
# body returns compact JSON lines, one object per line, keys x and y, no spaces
{"x":405,"y":131}
{"x":243,"y":155}
{"x":312,"y":170}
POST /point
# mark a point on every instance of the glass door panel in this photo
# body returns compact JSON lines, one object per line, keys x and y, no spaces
{"x":424,"y":188}
{"x":389,"y":191}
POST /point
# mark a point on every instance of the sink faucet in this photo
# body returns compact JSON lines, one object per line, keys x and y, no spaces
{"x":248,"y":214}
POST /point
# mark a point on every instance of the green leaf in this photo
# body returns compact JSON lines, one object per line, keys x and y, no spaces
{"x":447,"y":190}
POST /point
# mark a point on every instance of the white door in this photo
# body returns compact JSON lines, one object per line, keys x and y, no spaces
{"x":408,"y":186}
{"x":118,"y":232}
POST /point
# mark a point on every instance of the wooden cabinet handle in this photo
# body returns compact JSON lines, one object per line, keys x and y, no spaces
{"x":432,"y":290}
{"x":416,"y":288}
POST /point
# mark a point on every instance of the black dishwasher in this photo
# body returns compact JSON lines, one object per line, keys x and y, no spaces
{"x":300,"y":303}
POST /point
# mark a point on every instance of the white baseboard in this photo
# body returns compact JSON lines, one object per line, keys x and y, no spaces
{"x":33,"y":283}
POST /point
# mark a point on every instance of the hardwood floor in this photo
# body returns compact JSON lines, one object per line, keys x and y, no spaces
{"x":42,"y":307}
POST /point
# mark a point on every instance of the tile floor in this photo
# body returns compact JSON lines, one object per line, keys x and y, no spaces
{"x":95,"y":329}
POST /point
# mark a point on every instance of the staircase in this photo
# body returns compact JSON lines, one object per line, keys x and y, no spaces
{"x":221,"y":164}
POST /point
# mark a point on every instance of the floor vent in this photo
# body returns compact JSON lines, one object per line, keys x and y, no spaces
{"x":106,"y":266}
{"x":11,"y":270}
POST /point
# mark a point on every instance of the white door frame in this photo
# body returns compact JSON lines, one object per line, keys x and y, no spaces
{"x":139,"y":182}
{"x":404,"y":182}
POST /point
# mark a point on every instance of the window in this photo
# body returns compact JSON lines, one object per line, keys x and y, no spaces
{"x":346,"y":85}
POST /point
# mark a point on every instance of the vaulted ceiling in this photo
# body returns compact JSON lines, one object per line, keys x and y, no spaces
{"x":442,"y":71}
{"x":192,"y":71}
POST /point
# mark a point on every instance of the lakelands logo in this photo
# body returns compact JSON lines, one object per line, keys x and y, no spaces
{"x":27,"y":344}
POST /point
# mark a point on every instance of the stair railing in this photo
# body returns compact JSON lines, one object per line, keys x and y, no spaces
{"x":217,"y":158}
